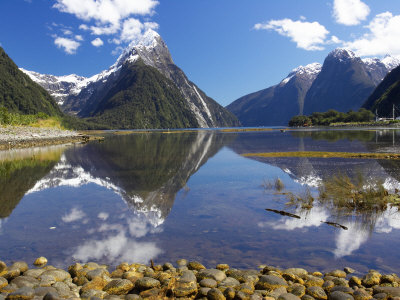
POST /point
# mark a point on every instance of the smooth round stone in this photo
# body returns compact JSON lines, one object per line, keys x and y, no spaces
{"x":99,"y":272}
{"x":74,"y":269}
{"x":313,"y":281}
{"x":270,"y":282}
{"x":62,"y":289}
{"x":277,"y":292}
{"x":188,"y":276}
{"x":247,"y":288}
{"x":355,"y":281}
{"x":211,"y":283}
{"x":23,"y":293}
{"x":181,"y":262}
{"x":307,"y":297}
{"x":195,"y":265}
{"x":388,"y":279}
{"x":337,"y":273}
{"x":229,"y":282}
{"x":3,"y":267}
{"x":92,"y":265}
{"x":340,"y":296}
{"x":215,"y":274}
{"x":12,"y":273}
{"x":361,"y":294}
{"x":146,"y":283}
{"x":51,"y":296}
{"x":132,"y":297}
{"x":215,"y":294}
{"x":119,"y":287}
{"x":203,"y":292}
{"x":21,"y":265}
{"x":297,"y":290}
{"x":46,"y":280}
{"x":328,"y":285}
{"x":229,"y":293}
{"x":58,"y":274}
{"x":185,"y":289}
{"x":340,"y":281}
{"x":317,"y":292}
{"x":28,"y":281}
{"x":222,"y":267}
{"x":243,"y":276}
{"x":390,"y":291}
{"x":343,"y":289}
{"x":288,"y":296}
{"x":40,"y":261}
{"x":381,"y":296}
{"x":3,"y":282}
{"x":35,"y":273}
{"x":96,"y":284}
{"x":124,"y":266}
{"x":42,"y":291}
{"x":297,"y":271}
{"x":371,"y":279}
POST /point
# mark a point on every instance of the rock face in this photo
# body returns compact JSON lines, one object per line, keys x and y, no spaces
{"x":386,"y":94}
{"x":82,"y":96}
{"x":342,"y":83}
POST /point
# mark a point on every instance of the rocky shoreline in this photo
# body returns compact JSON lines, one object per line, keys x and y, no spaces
{"x":189,"y":280}
{"x":23,"y":137}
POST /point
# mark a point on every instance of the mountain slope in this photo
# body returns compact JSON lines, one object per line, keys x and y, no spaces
{"x":142,"y":98}
{"x":81,"y":96}
{"x":277,"y":104}
{"x":385,"y":95}
{"x":343,"y":84}
{"x":18,"y":93}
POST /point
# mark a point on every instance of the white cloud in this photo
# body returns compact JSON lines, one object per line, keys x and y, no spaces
{"x":103,"y":216}
{"x":112,"y":17}
{"x":350,"y":12}
{"x":75,"y":215}
{"x":307,"y":35}
{"x":68,"y":45}
{"x":97,"y":42}
{"x":79,"y":37}
{"x":67,"y":32}
{"x":382,"y":38}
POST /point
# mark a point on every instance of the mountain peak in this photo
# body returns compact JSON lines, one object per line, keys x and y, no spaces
{"x":342,"y":54}
{"x":390,"y":62}
{"x":310,"y":71}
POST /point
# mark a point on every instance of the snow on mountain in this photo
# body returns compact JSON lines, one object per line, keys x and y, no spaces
{"x":390,"y":62}
{"x":342,"y":54}
{"x":309,"y":72}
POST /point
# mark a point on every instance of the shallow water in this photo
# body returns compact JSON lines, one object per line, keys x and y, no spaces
{"x":192,"y":195}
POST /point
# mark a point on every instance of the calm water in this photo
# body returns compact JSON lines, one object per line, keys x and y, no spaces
{"x":192,"y":195}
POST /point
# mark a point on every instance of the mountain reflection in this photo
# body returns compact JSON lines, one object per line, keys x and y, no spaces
{"x":146,"y":171}
{"x":313,"y":172}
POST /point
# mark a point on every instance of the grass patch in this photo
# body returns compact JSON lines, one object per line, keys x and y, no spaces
{"x":320,"y":154}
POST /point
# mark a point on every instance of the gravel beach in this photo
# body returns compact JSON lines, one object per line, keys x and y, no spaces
{"x":190,"y":280}
{"x":23,"y":137}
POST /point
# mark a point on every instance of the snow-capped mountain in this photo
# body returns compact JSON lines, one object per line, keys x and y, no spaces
{"x":81,"y":95}
{"x":308,"y":72}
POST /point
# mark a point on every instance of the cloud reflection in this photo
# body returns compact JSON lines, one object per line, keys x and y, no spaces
{"x":75,"y":215}
{"x":120,"y":243}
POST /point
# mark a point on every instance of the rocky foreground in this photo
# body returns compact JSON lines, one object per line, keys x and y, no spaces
{"x":25,"y":136}
{"x":189,"y":280}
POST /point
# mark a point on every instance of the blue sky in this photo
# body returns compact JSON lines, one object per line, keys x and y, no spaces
{"x":227,"y":47}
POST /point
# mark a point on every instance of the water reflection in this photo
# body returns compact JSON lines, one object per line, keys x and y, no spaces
{"x":314,"y":173}
{"x":146,"y":171}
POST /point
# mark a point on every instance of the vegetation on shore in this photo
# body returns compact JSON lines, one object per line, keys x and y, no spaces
{"x":331,"y":117}
{"x":321,"y":154}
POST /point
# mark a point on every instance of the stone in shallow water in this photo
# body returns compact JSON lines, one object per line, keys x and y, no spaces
{"x":58,"y":274}
{"x":118,"y":287}
{"x":277,"y":292}
{"x":297,"y":290}
{"x":195,"y":265}
{"x":313,"y":281}
{"x":215,"y":274}
{"x":51,"y":296}
{"x":181,"y":262}
{"x":349,"y":270}
{"x":23,"y":293}
{"x":12,"y":272}
{"x":229,"y":293}
{"x":343,"y":289}
{"x":35,"y":273}
{"x":40,"y":261}
{"x":3,"y":268}
{"x":3,"y":282}
{"x":270,"y":282}
{"x":28,"y":281}
{"x":371,"y":279}
{"x":340,"y":296}
{"x":328,"y":285}
{"x":297,"y":271}
{"x":228,"y":282}
{"x":42,"y":291}
{"x":340,"y":281}
{"x":74,"y":269}
{"x":146,"y":283}
{"x":96,"y":284}
{"x":337,"y":273}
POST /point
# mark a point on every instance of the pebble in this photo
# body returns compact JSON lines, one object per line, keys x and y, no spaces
{"x":40,"y":261}
{"x":190,"y":281}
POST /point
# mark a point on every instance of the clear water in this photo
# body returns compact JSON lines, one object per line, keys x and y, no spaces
{"x":192,"y":195}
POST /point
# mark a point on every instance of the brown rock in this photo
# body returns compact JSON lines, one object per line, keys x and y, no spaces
{"x":118,"y":287}
{"x":215,"y":294}
{"x":317,"y":292}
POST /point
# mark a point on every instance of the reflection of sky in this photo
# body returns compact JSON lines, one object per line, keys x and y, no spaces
{"x":347,"y":241}
{"x":114,"y":242}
